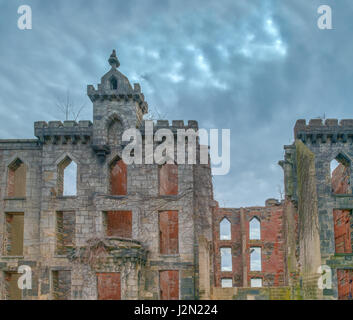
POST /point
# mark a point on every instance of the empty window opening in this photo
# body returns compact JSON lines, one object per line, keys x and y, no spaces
{"x":14,"y":234}
{"x":61,"y":285}
{"x":168,"y":179}
{"x":118,"y":177}
{"x":226,"y":283}
{"x":256,"y":282}
{"x":67,"y":177}
{"x":169,"y":284}
{"x":168,"y":232}
{"x":226,"y":259}
{"x":225,"y":229}
{"x":255,"y":259}
{"x":255,"y":229}
{"x":109,"y":286}
{"x":12,"y":291}
{"x":343,"y":224}
{"x":65,"y":231}
{"x":340,"y":175}
{"x":118,"y":224}
{"x":16,"y":184}
{"x":113,"y":84}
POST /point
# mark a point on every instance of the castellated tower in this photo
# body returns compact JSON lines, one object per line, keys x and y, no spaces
{"x":116,"y":105}
{"x":91,"y":227}
{"x":319,"y":203}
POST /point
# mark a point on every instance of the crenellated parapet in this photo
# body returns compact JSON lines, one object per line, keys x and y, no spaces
{"x":57,"y":132}
{"x":319,"y":131}
{"x":124,"y":94}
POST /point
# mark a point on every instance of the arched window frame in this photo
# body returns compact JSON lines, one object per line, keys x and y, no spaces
{"x":62,"y":166}
{"x":111,"y":165}
{"x":12,"y":181}
{"x":229,"y":233}
{"x":251,"y":234}
{"x":343,"y":160}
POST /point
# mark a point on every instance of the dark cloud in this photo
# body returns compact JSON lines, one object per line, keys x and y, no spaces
{"x":251,"y":66}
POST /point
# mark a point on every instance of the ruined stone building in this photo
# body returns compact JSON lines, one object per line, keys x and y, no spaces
{"x":92,"y":227}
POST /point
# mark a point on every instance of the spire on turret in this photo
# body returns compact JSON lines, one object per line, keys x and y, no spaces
{"x":113,"y":60}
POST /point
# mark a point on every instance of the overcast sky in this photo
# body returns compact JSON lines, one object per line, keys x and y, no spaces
{"x":251,"y":66}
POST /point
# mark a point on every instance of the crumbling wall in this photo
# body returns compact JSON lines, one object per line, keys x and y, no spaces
{"x":308,"y":223}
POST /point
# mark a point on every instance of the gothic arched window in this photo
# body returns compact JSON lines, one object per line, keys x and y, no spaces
{"x":118,"y":177}
{"x":16,"y":183}
{"x":67,"y":177}
{"x":225,"y":230}
{"x":340,"y":175}
{"x":254,"y":229}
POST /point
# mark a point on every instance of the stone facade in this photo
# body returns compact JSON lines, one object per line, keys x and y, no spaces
{"x":153,"y":231}
{"x":67,"y":242}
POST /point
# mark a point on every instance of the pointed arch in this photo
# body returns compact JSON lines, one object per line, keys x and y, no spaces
{"x":17,"y":176}
{"x":255,"y":229}
{"x":67,"y":177}
{"x":117,"y":177}
{"x":225,"y":232}
{"x":340,"y":173}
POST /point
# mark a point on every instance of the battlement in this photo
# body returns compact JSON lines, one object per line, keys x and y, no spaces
{"x":174,"y":126}
{"x":57,"y":131}
{"x":319,"y":131}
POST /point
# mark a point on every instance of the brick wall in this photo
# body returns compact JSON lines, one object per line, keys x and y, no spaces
{"x":168,"y":232}
{"x":119,"y":224}
{"x":271,"y":243}
{"x":168,"y":179}
{"x":343,"y":230}
{"x":109,"y":286}
{"x":169,"y":284}
{"x":118,"y":178}
{"x":345,"y":284}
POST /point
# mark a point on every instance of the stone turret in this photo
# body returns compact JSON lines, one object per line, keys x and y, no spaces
{"x":117,"y":105}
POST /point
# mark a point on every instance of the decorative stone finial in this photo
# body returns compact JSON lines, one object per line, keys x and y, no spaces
{"x":113,"y":60}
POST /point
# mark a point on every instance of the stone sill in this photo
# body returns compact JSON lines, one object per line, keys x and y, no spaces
{"x":66,"y":197}
{"x":12,"y":257}
{"x":168,"y":196}
{"x":60,"y":256}
{"x":15,"y":198}
{"x":118,"y":197}
{"x":170,"y":255}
